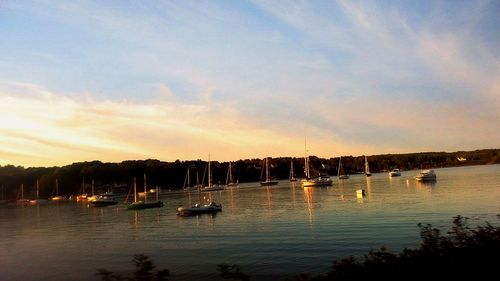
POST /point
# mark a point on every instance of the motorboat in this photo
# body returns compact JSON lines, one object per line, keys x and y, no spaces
{"x":395,"y":173}
{"x":319,"y":181}
{"x":103,"y":201}
{"x":426,"y":175}
{"x":199,"y":209}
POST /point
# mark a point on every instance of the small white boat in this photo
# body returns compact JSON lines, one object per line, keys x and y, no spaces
{"x":426,"y":175}
{"x":395,"y":173}
{"x":199,"y":209}
{"x":367,"y":168}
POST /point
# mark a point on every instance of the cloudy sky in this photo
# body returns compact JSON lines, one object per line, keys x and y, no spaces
{"x":118,"y":80}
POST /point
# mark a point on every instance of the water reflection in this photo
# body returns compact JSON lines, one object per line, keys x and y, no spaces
{"x":341,"y":190}
{"x":308,"y":198}
{"x":269,"y":197}
{"x":292,"y":188}
{"x":369,"y":187}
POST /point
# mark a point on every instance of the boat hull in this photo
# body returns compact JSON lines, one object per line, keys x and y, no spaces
{"x":267,"y":183}
{"x":102,"y":203}
{"x":317,"y":182}
{"x":145,"y":205}
{"x":196,"y":210}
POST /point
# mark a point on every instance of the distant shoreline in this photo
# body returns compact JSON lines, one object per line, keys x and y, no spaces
{"x":77,"y":177}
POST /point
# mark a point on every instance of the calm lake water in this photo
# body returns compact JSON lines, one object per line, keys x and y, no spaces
{"x":281,"y":230}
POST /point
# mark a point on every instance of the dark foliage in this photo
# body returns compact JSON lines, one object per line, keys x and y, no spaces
{"x":143,"y":272}
{"x":462,"y":254}
{"x":232,"y":272}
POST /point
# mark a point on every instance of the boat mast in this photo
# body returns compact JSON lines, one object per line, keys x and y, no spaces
{"x":92,"y":187}
{"x":37,"y":191}
{"x":340,"y":164}
{"x":209,"y":172}
{"x":367,"y":167}
{"x":229,"y":177}
{"x":57,"y":187}
{"x":145,"y":191}
{"x":306,"y":160}
{"x":291,"y":169}
{"x":135,"y":191}
{"x":267,"y":169}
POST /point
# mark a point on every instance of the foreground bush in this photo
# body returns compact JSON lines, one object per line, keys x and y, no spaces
{"x":462,"y":253}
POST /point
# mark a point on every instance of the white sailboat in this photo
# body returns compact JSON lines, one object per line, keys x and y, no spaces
{"x":229,"y":177}
{"x":341,"y":174}
{"x":367,"y":168}
{"x":268,"y":181}
{"x":211,"y":186}
{"x":292,"y":174}
{"x":38,"y":200}
{"x":320,"y":180}
{"x":139,"y":205}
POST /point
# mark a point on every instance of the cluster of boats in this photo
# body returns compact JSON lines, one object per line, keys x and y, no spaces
{"x":108,"y":198}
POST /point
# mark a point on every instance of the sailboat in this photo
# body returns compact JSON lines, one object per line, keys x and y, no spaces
{"x":292,"y":175}
{"x":82,"y":196}
{"x":38,"y":200}
{"x":229,"y":177}
{"x":367,"y":168}
{"x":268,"y":180}
{"x":200,"y":208}
{"x":139,"y":205}
{"x":187,"y":181}
{"x":57,"y":197}
{"x":23,"y":202}
{"x":342,"y":176}
{"x":211,"y":186}
{"x":320,"y":180}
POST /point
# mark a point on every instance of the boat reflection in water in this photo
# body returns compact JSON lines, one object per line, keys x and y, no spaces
{"x":308,"y":197}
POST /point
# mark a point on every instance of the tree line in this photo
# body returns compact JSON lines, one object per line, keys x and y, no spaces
{"x":172,"y":175}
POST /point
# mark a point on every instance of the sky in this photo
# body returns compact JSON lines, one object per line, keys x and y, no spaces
{"x":168,"y":80}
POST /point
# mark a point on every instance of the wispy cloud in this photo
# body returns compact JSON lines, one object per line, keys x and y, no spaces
{"x":178,"y":79}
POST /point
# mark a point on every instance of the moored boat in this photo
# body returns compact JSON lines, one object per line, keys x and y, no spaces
{"x":199,"y":209}
{"x":103,"y":200}
{"x":341,"y":174}
{"x":319,"y":181}
{"x":426,"y":175}
{"x":395,"y":173}
{"x":140,"y":205}
{"x":268,"y":181}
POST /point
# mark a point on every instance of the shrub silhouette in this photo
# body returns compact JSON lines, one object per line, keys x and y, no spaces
{"x":143,"y":272}
{"x":463,"y":253}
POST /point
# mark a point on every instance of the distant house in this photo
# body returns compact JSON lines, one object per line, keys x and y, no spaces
{"x":461,"y":159}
